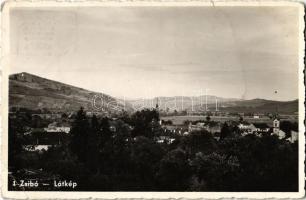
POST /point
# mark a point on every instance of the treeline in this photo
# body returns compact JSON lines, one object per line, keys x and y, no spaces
{"x":123,"y":155}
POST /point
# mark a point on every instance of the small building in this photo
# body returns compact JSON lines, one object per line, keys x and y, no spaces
{"x":259,"y":128}
{"x":246,"y":128}
{"x":213,"y":127}
{"x":164,"y":139}
{"x":58,"y":128}
{"x":281,"y":134}
{"x":197,"y":127}
{"x":276,"y":126}
{"x":48,"y":115}
{"x":38,"y":148}
{"x":258,"y":115}
{"x":294,"y":137}
{"x":244,"y":125}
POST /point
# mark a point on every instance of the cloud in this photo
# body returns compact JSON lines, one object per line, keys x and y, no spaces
{"x":170,"y":50}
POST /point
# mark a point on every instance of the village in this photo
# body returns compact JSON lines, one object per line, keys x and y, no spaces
{"x":243,"y":128}
{"x":53,"y":129}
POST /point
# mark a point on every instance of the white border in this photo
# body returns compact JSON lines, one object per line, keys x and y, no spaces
{"x":160,"y":195}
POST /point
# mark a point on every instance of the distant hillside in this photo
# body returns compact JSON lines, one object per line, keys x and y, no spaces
{"x":34,"y":92}
{"x":258,"y":106}
{"x":178,"y":102}
{"x":197,"y":104}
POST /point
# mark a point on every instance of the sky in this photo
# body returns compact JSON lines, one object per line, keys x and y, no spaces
{"x":144,"y":52}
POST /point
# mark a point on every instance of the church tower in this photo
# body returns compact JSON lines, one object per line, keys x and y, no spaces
{"x":157,"y":109}
{"x":157,"y":106}
{"x":276,"y":124}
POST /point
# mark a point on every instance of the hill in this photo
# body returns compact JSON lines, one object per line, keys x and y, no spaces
{"x":258,"y":106}
{"x":198,"y":104}
{"x":34,"y":92}
{"x":179,"y":103}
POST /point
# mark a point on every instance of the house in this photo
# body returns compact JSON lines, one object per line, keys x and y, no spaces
{"x":112,"y":128}
{"x":164,"y":139}
{"x":213,"y":127}
{"x":258,"y":115}
{"x":48,"y":115}
{"x":244,"y":125}
{"x":117,"y":126}
{"x":40,"y":141}
{"x":241,"y":114}
{"x":175,"y":129}
{"x":259,"y":128}
{"x":38,"y":148}
{"x":246,"y":128}
{"x":294,"y":137}
{"x":185,"y":133}
{"x":197,"y":127}
{"x":281,"y":134}
{"x":58,"y":128}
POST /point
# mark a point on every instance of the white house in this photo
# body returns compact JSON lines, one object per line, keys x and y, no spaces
{"x":55,"y":127}
{"x":281,"y":134}
{"x":294,"y":137}
{"x":259,"y":128}
{"x":198,"y":127}
{"x":244,"y":125}
{"x":245,"y":128}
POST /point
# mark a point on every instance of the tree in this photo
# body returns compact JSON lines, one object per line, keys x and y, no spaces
{"x":186,"y":122}
{"x":174,"y":171}
{"x":115,"y":150}
{"x":92,"y":160}
{"x":225,"y":131}
{"x":266,"y":163}
{"x":145,"y":155}
{"x":37,"y":122}
{"x":287,"y":127}
{"x":105,"y":129}
{"x":64,"y":116}
{"x":16,"y":129}
{"x":198,"y":141}
{"x":79,"y":132}
{"x":143,"y":122}
{"x":215,"y":172}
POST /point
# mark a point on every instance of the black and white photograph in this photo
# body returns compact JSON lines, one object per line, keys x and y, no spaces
{"x":154,"y":98}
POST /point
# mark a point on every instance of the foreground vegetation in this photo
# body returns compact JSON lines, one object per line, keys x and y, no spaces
{"x":128,"y":158}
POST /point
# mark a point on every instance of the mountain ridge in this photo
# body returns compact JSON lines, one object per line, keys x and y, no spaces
{"x":34,"y":92}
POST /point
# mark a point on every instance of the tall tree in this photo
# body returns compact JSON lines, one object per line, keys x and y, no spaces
{"x":225,"y":131}
{"x":144,"y":121}
{"x":79,"y":132}
{"x":16,"y":130}
{"x":174,"y":171}
{"x":93,"y":145}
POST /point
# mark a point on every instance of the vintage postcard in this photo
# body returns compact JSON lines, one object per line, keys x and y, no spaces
{"x":144,"y":99}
